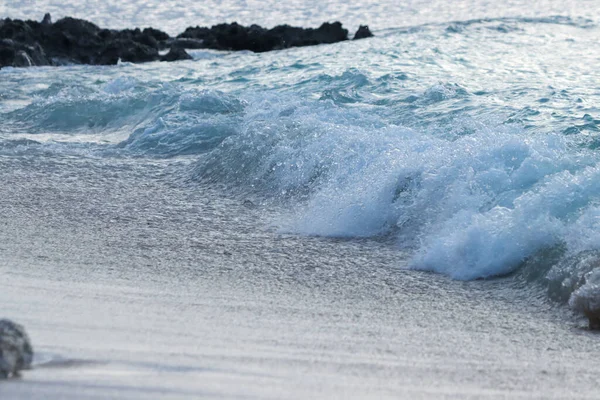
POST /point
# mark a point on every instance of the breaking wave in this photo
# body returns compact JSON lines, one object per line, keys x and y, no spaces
{"x":467,"y":175}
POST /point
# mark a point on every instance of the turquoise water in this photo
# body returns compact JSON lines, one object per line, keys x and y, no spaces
{"x":464,"y":135}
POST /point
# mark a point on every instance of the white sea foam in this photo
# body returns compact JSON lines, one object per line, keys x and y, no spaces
{"x":469,"y":206}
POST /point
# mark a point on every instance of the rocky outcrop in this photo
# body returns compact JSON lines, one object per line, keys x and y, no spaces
{"x":257,"y":39}
{"x":128,"y":50}
{"x":16,"y":353}
{"x":76,"y":41}
{"x":17,"y":54}
{"x":176,"y":54}
{"x":73,"y":41}
{"x":363,"y":32}
{"x":586,"y":298}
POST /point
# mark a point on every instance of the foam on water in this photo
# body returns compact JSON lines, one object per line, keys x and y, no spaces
{"x":471,"y":206}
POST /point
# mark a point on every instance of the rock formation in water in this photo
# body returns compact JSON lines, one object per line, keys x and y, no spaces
{"x":586,"y":299}
{"x":76,"y":41}
{"x":363,"y":32}
{"x":258,"y":39}
{"x":16,"y":352}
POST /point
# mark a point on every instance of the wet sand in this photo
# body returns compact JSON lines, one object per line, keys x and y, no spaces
{"x":147,"y":290}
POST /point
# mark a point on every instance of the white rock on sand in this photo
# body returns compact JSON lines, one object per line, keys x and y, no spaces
{"x":586,"y":299}
{"x":16,"y":352}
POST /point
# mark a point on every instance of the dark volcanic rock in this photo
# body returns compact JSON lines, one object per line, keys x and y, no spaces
{"x":16,"y":353}
{"x":76,"y":41}
{"x":17,"y":30}
{"x":230,"y":37}
{"x":14,"y":54}
{"x":297,"y":37}
{"x":156,"y":34}
{"x":176,"y":54}
{"x":199,"y":33}
{"x":149,"y":36}
{"x":362,"y":32}
{"x":185,"y":43}
{"x":126,"y":50}
{"x":73,"y":40}
{"x":255,"y":38}
{"x":47,"y":19}
{"x":137,"y":36}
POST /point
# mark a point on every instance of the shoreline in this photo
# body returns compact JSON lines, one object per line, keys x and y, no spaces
{"x":228,"y":338}
{"x":210,"y":304}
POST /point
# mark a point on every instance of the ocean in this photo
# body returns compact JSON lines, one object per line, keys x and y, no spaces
{"x":413,"y":215}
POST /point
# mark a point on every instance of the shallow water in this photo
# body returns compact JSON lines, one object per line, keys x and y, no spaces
{"x":461,"y":140}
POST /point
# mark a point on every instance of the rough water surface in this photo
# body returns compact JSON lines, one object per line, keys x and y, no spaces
{"x":461,"y":140}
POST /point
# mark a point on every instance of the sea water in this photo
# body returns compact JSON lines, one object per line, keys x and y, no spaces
{"x":472,"y":141}
{"x":462,"y":139}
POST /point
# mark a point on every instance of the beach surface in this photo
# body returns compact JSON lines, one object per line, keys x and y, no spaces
{"x":134,"y":308}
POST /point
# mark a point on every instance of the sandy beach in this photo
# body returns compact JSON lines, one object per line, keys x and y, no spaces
{"x":218,"y":313}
